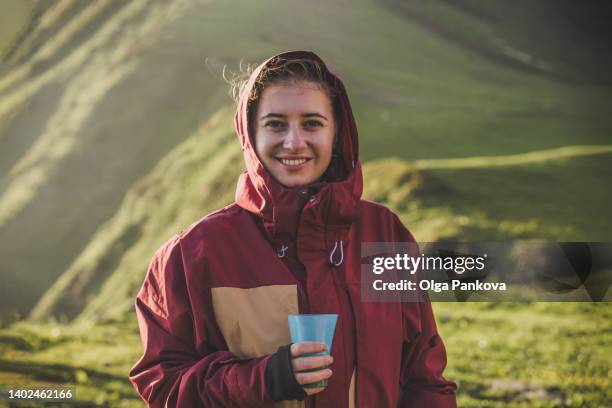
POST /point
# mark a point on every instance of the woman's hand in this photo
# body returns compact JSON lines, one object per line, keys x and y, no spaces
{"x":310,"y":369}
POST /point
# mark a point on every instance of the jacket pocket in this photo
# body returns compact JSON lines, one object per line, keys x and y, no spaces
{"x":253,"y":321}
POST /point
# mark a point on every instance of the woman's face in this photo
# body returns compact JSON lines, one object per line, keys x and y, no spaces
{"x":294,"y":132}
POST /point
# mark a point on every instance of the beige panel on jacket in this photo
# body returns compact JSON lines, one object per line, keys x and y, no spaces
{"x":253,"y":321}
{"x":352,"y":392}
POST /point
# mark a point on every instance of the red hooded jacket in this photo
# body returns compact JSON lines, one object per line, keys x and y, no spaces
{"x":215,"y":300}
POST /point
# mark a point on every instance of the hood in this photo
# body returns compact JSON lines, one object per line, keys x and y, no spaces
{"x":280,"y":207}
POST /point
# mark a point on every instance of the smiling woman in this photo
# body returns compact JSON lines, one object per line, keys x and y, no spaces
{"x":213,"y":309}
{"x":293,"y":112}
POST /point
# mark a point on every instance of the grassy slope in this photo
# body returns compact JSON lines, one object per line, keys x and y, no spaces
{"x":14,"y":16}
{"x":192,"y":180}
{"x":79,"y":132}
{"x":416,"y":97}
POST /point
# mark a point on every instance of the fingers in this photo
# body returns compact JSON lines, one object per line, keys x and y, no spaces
{"x":313,"y":376}
{"x":305,"y":347}
{"x":310,"y":363}
{"x":303,"y":366}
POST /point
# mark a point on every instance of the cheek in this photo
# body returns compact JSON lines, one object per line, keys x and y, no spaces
{"x":260,"y":145}
{"x":328,"y":146}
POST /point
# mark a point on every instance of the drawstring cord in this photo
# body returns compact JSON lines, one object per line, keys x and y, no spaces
{"x":331,"y":255}
{"x":282,"y":250}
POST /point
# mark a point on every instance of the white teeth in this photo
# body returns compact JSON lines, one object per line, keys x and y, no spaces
{"x":293,"y":162}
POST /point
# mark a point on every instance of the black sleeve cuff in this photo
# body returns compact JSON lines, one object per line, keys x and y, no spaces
{"x":280,"y":380}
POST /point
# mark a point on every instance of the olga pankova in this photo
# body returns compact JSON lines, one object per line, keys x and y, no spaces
{"x":426,"y":284}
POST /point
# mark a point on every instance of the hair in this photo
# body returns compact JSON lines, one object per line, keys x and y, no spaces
{"x":281,"y":70}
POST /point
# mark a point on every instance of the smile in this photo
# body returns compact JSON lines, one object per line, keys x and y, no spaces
{"x":293,"y":163}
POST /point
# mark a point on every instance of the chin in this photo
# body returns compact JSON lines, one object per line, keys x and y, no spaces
{"x":293,"y":182}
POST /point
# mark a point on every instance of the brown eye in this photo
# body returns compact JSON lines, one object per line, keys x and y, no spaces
{"x":312,"y":124}
{"x":275,"y":125}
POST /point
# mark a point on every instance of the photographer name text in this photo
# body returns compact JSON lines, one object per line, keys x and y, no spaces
{"x":455,"y":284}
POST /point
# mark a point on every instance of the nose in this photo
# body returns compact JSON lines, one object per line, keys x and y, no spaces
{"x":294,"y":139}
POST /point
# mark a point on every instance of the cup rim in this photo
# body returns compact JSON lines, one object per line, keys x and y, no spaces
{"x":313,"y":314}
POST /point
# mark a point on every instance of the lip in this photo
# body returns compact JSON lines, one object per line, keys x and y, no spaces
{"x":293,"y":166}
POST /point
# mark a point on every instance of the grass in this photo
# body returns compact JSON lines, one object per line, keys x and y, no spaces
{"x":501,"y":354}
{"x":92,"y":360}
{"x":15,"y":14}
{"x":528,"y":355}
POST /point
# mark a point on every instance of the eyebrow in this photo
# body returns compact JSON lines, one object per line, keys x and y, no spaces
{"x":283,"y":116}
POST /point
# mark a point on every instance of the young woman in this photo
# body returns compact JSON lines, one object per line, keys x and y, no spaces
{"x":213,"y":308}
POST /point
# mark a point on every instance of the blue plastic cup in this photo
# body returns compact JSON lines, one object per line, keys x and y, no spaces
{"x":313,"y":327}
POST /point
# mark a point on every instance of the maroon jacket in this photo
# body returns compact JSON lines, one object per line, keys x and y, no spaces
{"x":215,"y":300}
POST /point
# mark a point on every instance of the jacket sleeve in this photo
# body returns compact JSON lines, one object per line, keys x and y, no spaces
{"x":171,"y":373}
{"x":423,"y":353}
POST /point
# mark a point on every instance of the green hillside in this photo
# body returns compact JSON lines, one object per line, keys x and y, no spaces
{"x":475,"y":123}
